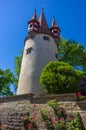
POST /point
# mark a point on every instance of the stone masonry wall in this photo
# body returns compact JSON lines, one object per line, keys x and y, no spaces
{"x":11,"y":108}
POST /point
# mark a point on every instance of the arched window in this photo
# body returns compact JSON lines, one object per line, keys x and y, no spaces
{"x":29,"y":50}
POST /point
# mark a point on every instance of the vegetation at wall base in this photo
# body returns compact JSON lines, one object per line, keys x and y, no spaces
{"x":59,"y":120}
{"x":80,"y":97}
{"x":50,"y":117}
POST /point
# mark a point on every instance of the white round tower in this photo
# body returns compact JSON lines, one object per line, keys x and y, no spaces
{"x":40,"y":48}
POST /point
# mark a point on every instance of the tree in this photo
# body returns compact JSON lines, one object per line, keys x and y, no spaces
{"x":6,"y":79}
{"x":73,"y":53}
{"x":60,"y":77}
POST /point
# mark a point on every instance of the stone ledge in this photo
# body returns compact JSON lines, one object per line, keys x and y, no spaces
{"x":16,"y":98}
{"x":40,"y":99}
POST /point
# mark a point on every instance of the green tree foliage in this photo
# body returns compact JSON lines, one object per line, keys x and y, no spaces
{"x":60,"y":77}
{"x":6,"y":79}
{"x":73,"y":53}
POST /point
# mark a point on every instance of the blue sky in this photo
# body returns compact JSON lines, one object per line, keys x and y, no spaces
{"x":70,"y":15}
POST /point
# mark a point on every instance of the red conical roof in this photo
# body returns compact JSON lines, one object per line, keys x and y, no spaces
{"x":34,"y":16}
{"x":43,"y":22}
{"x":54,"y":23}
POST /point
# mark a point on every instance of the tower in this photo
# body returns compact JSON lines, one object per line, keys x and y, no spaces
{"x":40,"y":48}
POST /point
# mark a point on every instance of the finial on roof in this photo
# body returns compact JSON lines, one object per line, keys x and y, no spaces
{"x":42,"y":8}
{"x":35,"y":10}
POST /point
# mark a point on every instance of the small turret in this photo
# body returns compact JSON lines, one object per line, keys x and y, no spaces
{"x":55,"y":29}
{"x":33,"y":24}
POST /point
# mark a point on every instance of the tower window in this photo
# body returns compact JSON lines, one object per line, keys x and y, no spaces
{"x":31,"y":26}
{"x":28,"y":50}
{"x":46,"y":38}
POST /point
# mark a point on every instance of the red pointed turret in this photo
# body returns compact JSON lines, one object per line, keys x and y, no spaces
{"x":42,"y":20}
{"x":55,"y":29}
{"x":54,"y":23}
{"x":33,"y":24}
{"x":43,"y":23}
{"x":34,"y":16}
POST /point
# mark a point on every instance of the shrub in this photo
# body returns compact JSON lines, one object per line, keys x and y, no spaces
{"x":60,"y":77}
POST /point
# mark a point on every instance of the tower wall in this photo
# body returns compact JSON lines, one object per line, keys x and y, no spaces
{"x":42,"y":52}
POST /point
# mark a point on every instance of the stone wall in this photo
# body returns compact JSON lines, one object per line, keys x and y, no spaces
{"x":11,"y":108}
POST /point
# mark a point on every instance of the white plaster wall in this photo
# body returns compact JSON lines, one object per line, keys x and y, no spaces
{"x":32,"y":64}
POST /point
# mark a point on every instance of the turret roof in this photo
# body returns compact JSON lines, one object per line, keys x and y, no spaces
{"x":43,"y":22}
{"x":34,"y":16}
{"x":54,"y":23}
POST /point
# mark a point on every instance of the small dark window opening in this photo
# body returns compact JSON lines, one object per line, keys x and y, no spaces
{"x":29,"y":50}
{"x":56,"y":55}
{"x":55,"y":32}
{"x":31,"y":25}
{"x":46,"y":38}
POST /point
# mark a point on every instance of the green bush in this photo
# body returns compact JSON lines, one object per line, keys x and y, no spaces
{"x":60,"y":77}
